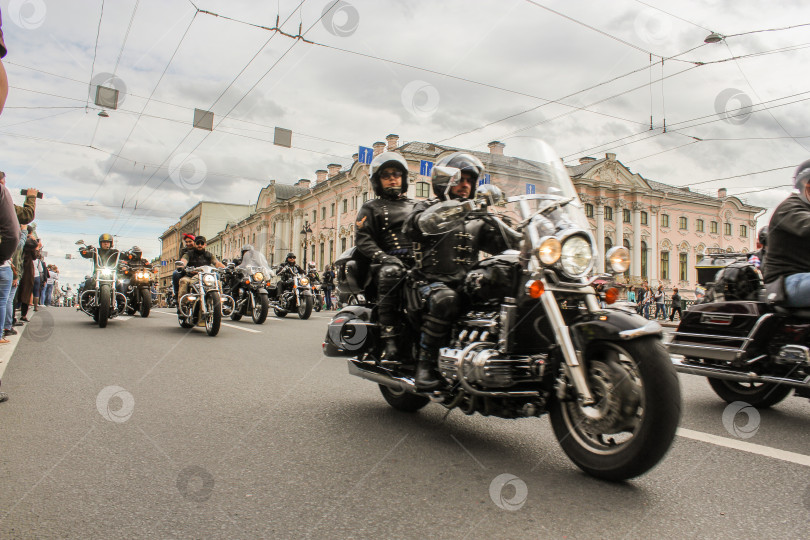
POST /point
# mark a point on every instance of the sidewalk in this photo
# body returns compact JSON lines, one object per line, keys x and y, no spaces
{"x":7,"y":351}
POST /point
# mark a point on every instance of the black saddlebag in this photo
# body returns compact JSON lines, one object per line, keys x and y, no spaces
{"x":729,"y":333}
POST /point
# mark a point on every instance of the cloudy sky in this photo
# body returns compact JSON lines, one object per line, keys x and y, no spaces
{"x":586,"y":76}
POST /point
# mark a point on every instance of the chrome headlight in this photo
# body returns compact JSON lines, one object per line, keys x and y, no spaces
{"x":106,"y":272}
{"x":618,"y":258}
{"x":258,"y":276}
{"x":304,"y":282}
{"x":549,"y":251}
{"x":576,"y":256}
{"x":209,"y":280}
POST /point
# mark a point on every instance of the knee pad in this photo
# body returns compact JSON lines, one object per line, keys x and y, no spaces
{"x":444,"y":304}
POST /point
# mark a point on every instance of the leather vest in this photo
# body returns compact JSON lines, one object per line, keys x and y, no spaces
{"x":199,"y":258}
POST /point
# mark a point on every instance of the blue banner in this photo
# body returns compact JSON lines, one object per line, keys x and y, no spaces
{"x":366,"y":154}
{"x":425,"y":168}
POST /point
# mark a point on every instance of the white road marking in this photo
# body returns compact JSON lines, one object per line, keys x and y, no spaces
{"x":242,"y":328}
{"x":767,"y":451}
{"x":223,"y":324}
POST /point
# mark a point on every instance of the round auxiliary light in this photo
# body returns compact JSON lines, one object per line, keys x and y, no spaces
{"x":549,"y":251}
{"x":619,"y":259}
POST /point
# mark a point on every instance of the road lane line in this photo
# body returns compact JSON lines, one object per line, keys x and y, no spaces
{"x":242,"y":328}
{"x":223,"y":324}
{"x":767,"y":451}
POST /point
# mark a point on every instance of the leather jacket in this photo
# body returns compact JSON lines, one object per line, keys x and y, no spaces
{"x":379,"y":228}
{"x":447,"y":257}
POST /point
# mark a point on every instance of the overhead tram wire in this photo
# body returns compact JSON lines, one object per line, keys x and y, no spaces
{"x":220,"y":96}
{"x":95,"y":52}
{"x":135,"y":125}
{"x":673,"y":15}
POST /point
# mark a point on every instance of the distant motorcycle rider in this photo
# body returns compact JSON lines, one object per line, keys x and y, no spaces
{"x":788,"y":239}
{"x":444,"y":257}
{"x":757,"y":258}
{"x":379,"y":237}
{"x":197,"y":257}
{"x":286,"y":271}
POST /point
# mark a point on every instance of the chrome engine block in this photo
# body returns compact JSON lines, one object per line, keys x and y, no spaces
{"x":483,"y":365}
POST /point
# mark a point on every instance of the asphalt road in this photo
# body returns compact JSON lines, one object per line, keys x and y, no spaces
{"x":146,"y":430}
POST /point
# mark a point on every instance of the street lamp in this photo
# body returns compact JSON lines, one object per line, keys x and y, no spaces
{"x":306,"y":230}
{"x":714,"y":37}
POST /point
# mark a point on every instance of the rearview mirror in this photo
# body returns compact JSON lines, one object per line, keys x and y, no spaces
{"x":178,"y":264}
{"x":79,"y":242}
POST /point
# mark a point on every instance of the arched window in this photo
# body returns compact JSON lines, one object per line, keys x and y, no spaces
{"x":643,"y":259}
{"x":608,"y":243}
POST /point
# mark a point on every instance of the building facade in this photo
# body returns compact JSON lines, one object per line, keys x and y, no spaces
{"x":205,"y":218}
{"x":666,"y":228}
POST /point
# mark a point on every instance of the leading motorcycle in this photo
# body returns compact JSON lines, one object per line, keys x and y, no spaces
{"x":205,"y":303}
{"x":534,"y":340}
{"x":749,"y":348}
{"x":101,"y":300}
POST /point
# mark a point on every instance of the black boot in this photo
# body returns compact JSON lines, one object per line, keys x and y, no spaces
{"x":390,"y":352}
{"x":425,"y":379}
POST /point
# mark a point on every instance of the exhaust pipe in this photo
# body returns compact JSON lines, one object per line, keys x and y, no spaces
{"x":717,"y":373}
{"x":381,"y":376}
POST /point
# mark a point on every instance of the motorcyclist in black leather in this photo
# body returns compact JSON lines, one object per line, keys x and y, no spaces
{"x":443,"y":259}
{"x":286,"y":271}
{"x":379,"y":237}
{"x":107,"y":256}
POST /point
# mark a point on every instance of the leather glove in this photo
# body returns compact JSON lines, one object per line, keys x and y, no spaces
{"x":391,"y":259}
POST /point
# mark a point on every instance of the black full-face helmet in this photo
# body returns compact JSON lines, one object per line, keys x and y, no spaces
{"x":388,"y":159}
{"x":445,"y":173}
{"x":106,"y":237}
{"x":762,"y":237}
{"x":800,"y":179}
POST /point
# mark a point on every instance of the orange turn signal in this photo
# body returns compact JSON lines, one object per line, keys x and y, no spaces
{"x":535,"y":288}
{"x":611,"y":295}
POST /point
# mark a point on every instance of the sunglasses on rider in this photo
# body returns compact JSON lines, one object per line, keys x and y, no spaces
{"x":391,"y":174}
{"x":199,"y":243}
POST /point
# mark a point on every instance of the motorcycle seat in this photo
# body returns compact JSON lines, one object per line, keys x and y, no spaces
{"x":802,"y":312}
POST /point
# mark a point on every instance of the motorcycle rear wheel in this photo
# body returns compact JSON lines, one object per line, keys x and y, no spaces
{"x":214,"y":318}
{"x":758,"y":395}
{"x":104,"y":300}
{"x":637,"y":391}
{"x":403,"y":401}
{"x":260,"y":309}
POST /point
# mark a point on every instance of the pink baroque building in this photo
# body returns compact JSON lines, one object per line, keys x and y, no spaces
{"x":666,"y":228}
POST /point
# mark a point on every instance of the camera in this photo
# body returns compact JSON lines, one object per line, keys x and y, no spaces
{"x":39,"y":193}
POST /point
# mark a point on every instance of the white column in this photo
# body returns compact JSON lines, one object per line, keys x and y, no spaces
{"x":618,"y":217}
{"x":600,"y":232}
{"x":635,"y":268}
{"x":654,"y":255}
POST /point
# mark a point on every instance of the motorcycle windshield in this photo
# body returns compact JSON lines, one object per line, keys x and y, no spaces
{"x":254,"y":261}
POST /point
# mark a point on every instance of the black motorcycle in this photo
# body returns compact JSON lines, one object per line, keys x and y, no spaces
{"x":205,"y":303}
{"x":248,"y":285}
{"x":750,"y":349}
{"x":534,"y":339}
{"x":100,"y":299}
{"x":136,"y":281}
{"x":296,"y":295}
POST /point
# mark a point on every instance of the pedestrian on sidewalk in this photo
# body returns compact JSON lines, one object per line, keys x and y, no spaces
{"x":660,"y":310}
{"x":27,"y":282}
{"x":9,"y":239}
{"x":676,"y":305}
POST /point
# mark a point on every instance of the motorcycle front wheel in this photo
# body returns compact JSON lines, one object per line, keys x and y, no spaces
{"x":104,"y":301}
{"x":260,"y":309}
{"x":305,"y":307}
{"x":146,"y":302}
{"x":758,"y":395}
{"x":633,"y":422}
{"x":214,"y":318}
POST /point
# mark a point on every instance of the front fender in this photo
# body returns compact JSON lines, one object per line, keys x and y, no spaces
{"x":263,"y":292}
{"x":305,"y":292}
{"x":611,"y":325}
